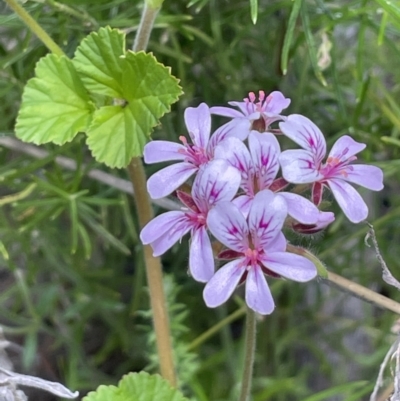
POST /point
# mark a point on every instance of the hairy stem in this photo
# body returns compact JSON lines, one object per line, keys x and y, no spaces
{"x":154,"y":274}
{"x":363,"y":292}
{"x":35,"y":27}
{"x":145,"y":214}
{"x":149,"y":15}
{"x":250,"y":347}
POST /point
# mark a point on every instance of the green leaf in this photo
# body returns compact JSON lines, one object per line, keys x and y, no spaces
{"x":312,"y":51}
{"x":391,"y":8}
{"x":137,"y":387}
{"x":254,"y":10}
{"x":289,"y":35}
{"x":98,"y":61}
{"x":119,"y":133}
{"x":103,"y":393}
{"x":55,"y":104}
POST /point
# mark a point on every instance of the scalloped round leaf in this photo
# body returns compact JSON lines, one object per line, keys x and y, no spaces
{"x":98,"y":61}
{"x":145,"y":80}
{"x":119,"y":133}
{"x":104,"y":393}
{"x":55,"y":104}
{"x":115,"y":136}
{"x":144,"y":387}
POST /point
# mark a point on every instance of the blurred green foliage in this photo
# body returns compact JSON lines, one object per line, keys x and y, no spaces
{"x":73,"y":288}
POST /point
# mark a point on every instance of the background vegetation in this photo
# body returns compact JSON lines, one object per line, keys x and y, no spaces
{"x":72,"y":288}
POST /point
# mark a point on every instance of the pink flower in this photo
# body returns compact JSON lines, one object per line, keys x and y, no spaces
{"x":258,"y":168}
{"x":254,"y":115}
{"x":217,"y":181}
{"x":302,"y":166}
{"x":193,"y":155}
{"x":260,"y":249}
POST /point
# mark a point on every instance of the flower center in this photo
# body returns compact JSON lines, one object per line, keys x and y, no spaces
{"x":195,"y":154}
{"x":198,"y":219}
{"x":251,"y":257}
{"x":337,"y":166}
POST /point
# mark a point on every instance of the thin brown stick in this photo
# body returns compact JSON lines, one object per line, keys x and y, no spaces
{"x":364,"y":293}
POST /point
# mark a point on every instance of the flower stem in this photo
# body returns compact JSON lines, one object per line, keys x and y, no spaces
{"x":35,"y":27}
{"x":145,"y":214}
{"x":363,"y":292}
{"x":250,"y":346}
{"x":154,"y":274}
{"x":149,"y":15}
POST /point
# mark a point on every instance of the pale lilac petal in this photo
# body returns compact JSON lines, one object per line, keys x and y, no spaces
{"x":160,"y":225}
{"x":277,"y":102}
{"x":298,"y":167}
{"x":258,"y":294}
{"x":198,"y":123}
{"x":289,"y":265}
{"x":223,"y":283}
{"x":243,"y":203}
{"x":167,"y":180}
{"x":370,"y":177}
{"x":165,"y":230}
{"x":238,"y":128}
{"x":215,"y":182}
{"x":225,"y":111}
{"x":228,"y":225}
{"x":300,"y":208}
{"x":345,"y":147}
{"x":235,"y":152}
{"x":264,"y":150}
{"x":162,"y":151}
{"x":247,"y":108}
{"x":201,"y":259}
{"x":267,"y":215}
{"x":324,"y":219}
{"x":279,"y":244}
{"x":349,"y":200}
{"x":306,"y":134}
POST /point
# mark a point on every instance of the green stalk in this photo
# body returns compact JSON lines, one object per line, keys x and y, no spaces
{"x":35,"y":27}
{"x":250,"y":347}
{"x":145,"y":214}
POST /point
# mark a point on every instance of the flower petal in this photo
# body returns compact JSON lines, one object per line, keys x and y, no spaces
{"x":161,"y":224}
{"x":201,"y":259}
{"x":225,"y":111}
{"x":167,"y":180}
{"x":198,"y":123}
{"x":279,"y":244}
{"x":247,"y":108}
{"x":289,"y":265}
{"x":305,"y":133}
{"x":238,"y":128}
{"x":370,"y":177}
{"x":267,"y":215}
{"x":349,"y":200}
{"x":277,"y":102}
{"x":161,"y":151}
{"x":300,"y":208}
{"x":215,"y":182}
{"x":258,"y":294}
{"x":223,"y":283}
{"x":345,"y":147}
{"x":243,"y":203}
{"x":235,"y":152}
{"x":228,"y":225}
{"x":298,"y":167}
{"x":264,"y":150}
{"x":165,"y":230}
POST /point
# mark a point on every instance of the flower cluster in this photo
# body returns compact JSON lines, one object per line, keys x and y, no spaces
{"x":238,"y":201}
